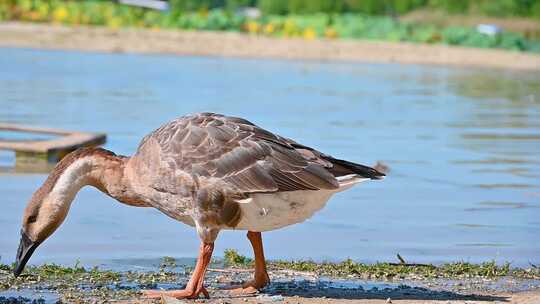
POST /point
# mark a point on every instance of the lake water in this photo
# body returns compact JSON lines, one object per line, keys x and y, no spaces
{"x":462,"y":146}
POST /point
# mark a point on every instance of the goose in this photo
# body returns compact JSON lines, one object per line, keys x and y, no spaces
{"x":207,"y":170}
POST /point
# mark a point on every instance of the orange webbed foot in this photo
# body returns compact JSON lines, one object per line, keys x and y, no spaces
{"x":178,"y":294}
{"x":251,"y":287}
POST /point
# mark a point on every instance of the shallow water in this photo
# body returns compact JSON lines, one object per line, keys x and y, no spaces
{"x":462,"y":146}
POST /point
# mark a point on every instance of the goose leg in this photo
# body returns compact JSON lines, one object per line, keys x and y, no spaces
{"x":195,"y":286}
{"x":261,"y":277}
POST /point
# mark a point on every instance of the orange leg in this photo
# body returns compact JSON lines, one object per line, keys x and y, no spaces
{"x":261,"y":278}
{"x":195,"y":286}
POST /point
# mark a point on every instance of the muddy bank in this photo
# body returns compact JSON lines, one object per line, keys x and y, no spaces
{"x":286,"y":287}
{"x":52,"y":284}
{"x":227,"y":44}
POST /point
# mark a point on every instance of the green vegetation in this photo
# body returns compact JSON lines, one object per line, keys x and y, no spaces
{"x":340,"y":19}
{"x":389,"y":271}
{"x":167,"y":262}
{"x":80,"y":285}
{"x":380,"y":7}
{"x":498,"y":8}
{"x":233,"y":258}
{"x":77,"y":284}
{"x":393,"y":271}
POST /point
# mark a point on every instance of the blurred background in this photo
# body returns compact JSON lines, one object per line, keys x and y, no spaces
{"x":507,"y":24}
{"x":461,"y":143}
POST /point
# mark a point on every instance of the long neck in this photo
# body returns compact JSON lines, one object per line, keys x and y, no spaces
{"x":50,"y":204}
{"x":97,"y":167}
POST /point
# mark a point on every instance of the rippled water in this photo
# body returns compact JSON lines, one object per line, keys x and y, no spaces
{"x":462,"y":146}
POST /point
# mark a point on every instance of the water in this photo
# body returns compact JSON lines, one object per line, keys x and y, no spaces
{"x":462,"y":146}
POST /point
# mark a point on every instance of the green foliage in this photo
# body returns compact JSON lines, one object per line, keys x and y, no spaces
{"x":378,"y":7}
{"x":193,"y":5}
{"x":273,"y":7}
{"x":233,"y":5}
{"x":199,"y":15}
{"x":451,"y":6}
{"x":233,"y":258}
{"x":469,"y":37}
{"x":535,"y":10}
{"x":498,"y":8}
{"x":372,"y":7}
{"x":384,"y":7}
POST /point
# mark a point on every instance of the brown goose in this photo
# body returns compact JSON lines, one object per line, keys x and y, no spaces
{"x":206,"y":170}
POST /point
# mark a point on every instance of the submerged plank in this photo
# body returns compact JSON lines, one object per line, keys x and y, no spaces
{"x":41,"y":155}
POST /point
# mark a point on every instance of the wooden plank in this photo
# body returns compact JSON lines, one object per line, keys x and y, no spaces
{"x":67,"y":139}
{"x":41,"y":155}
{"x":19,"y":128}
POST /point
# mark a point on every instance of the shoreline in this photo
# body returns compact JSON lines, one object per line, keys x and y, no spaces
{"x":238,"y":45}
{"x":77,"y":284}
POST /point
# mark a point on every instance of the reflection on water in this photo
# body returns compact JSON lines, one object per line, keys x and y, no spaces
{"x":504,"y":89}
{"x":490,"y":206}
{"x":462,"y":146}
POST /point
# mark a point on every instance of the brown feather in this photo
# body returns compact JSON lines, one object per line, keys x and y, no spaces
{"x":243,"y":155}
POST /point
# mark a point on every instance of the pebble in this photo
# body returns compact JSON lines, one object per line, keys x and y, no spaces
{"x":267,"y":298}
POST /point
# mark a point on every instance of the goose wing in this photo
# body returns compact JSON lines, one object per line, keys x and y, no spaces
{"x":236,"y":151}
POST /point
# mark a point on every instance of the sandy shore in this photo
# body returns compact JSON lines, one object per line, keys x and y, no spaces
{"x":531,"y":297}
{"x":286,"y":287}
{"x":226,"y":44}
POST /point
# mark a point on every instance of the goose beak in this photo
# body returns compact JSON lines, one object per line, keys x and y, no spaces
{"x":26,"y":248}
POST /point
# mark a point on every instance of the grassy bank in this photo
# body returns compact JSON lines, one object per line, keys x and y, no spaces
{"x":308,"y":26}
{"x":81,"y":284}
{"x":389,"y":271}
{"x":239,"y":45}
{"x":345,"y":269}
